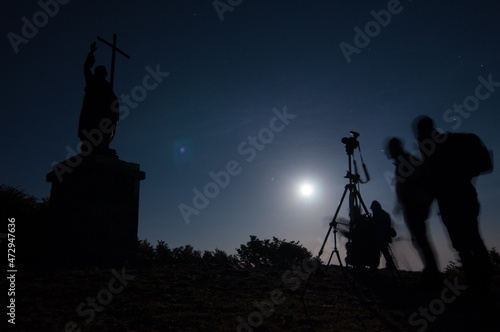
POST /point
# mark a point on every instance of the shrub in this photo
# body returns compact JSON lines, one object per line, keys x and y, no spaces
{"x":495,"y":260}
{"x":186,"y":254}
{"x":455,"y":267}
{"x":218,"y":257}
{"x":255,"y":252}
{"x":31,"y":225}
{"x":275,"y":252}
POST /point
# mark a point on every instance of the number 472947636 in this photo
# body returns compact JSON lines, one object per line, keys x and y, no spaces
{"x":11,"y":245}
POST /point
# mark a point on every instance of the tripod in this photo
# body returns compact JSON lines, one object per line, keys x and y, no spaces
{"x":355,"y":204}
{"x":355,"y":200}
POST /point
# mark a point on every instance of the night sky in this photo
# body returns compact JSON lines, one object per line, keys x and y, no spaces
{"x":261,"y":90}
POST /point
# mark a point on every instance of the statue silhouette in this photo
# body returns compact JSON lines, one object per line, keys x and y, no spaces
{"x":99,"y":114}
{"x":451,"y":160}
{"x":415,"y":196}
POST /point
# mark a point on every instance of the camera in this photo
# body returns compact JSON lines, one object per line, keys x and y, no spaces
{"x":351,"y":143}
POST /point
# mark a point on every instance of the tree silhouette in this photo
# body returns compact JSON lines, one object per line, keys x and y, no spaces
{"x":218,"y":257}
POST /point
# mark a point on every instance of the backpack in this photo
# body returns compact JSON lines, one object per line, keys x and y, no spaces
{"x":476,"y":158}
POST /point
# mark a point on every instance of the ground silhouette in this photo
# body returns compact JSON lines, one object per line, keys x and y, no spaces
{"x":207,"y":297}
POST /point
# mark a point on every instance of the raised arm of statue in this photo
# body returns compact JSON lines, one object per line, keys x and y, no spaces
{"x":89,"y":62}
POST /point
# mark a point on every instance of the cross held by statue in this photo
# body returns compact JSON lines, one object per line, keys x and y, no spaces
{"x":114,"y":50}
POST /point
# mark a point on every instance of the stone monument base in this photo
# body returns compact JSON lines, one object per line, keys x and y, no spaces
{"x":94,"y":204}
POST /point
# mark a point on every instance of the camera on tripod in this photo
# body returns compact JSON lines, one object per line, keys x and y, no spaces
{"x":360,"y":250}
{"x":351,"y":143}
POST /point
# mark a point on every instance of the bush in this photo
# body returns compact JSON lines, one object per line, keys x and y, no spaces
{"x":163,"y":255}
{"x":276,"y":252}
{"x":256,"y":252}
{"x":31,"y":225}
{"x":455,"y":267}
{"x":218,"y":257}
{"x":186,"y":254}
{"x":495,"y":260}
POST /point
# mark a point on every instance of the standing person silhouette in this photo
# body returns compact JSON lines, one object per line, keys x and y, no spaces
{"x":415,"y":197}
{"x":451,"y":160}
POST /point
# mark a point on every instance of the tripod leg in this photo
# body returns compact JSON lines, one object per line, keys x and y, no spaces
{"x":333,"y":222}
{"x":331,"y":255}
{"x":358,"y":195}
{"x":338,"y":257}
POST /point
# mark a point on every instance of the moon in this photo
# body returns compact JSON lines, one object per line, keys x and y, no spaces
{"x":306,"y":190}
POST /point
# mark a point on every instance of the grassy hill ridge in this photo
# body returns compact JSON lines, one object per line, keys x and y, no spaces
{"x":201,"y":297}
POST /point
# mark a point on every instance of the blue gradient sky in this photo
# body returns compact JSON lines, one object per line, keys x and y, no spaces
{"x":225,"y":78}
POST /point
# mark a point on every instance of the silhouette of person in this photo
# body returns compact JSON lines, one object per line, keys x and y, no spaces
{"x":449,"y":163}
{"x":99,"y":114}
{"x":415,"y":197}
{"x":383,"y":226}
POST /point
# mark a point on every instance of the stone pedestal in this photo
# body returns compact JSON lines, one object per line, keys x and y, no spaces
{"x":94,"y":205}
